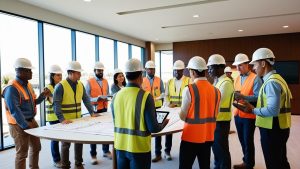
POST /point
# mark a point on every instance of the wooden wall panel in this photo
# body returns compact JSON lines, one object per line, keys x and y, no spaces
{"x":285,"y":47}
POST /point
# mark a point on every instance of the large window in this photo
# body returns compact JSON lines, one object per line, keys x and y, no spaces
{"x":19,"y":38}
{"x":122,"y":55}
{"x":106,"y":54}
{"x":157,"y":64}
{"x":136,"y":52}
{"x":164,"y":65}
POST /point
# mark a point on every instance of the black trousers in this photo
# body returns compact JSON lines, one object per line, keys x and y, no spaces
{"x":189,"y":151}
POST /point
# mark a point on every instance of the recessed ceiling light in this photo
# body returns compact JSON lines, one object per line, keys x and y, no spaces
{"x":196,"y":16}
{"x":240,"y":30}
{"x":156,"y":39}
{"x":285,"y":26}
{"x":87,"y":0}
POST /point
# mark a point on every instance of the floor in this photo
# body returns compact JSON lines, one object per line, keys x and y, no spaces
{"x":7,"y":157}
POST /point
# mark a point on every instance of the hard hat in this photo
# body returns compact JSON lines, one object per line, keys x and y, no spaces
{"x":55,"y":69}
{"x":117,"y":71}
{"x":178,"y":65}
{"x":197,"y":63}
{"x":133,"y":65}
{"x":150,"y":64}
{"x":23,"y":63}
{"x":75,"y":66}
{"x":240,"y":58}
{"x":262,"y":53}
{"x":227,"y":70}
{"x":216,"y":59}
{"x":99,"y":65}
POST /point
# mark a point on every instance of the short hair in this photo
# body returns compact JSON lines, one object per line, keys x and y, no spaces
{"x":200,"y":74}
{"x":70,"y":71}
{"x":133,"y":75}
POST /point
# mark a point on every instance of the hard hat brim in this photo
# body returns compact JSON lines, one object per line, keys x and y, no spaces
{"x":238,"y":63}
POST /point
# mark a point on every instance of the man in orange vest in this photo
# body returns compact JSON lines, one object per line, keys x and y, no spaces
{"x":246,"y":87}
{"x":199,"y":109}
{"x":97,"y":89}
{"x":155,"y":86}
{"x":20,"y":104}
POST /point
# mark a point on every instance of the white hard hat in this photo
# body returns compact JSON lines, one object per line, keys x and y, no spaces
{"x":262,"y":53}
{"x":133,"y":65}
{"x":216,"y":59}
{"x":55,"y":69}
{"x":227,"y":70}
{"x":150,"y":64}
{"x":99,"y":65}
{"x":23,"y":63}
{"x":197,"y":63}
{"x":75,"y":66}
{"x":240,"y":58}
{"x":178,"y":65}
{"x":117,"y":71}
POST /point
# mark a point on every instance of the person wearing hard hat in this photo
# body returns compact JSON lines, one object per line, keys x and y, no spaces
{"x":97,"y":89}
{"x":199,"y":109}
{"x":20,"y":105}
{"x":246,"y":87}
{"x":119,"y":81}
{"x":228,"y":72}
{"x":67,"y":98}
{"x":55,"y":77}
{"x":134,"y":118}
{"x":216,"y":65}
{"x":273,"y":110}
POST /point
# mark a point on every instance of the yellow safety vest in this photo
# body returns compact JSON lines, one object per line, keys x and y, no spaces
{"x":225,"y":104}
{"x":284,"y":115}
{"x":50,"y":115}
{"x":71,"y":102}
{"x":175,"y":97}
{"x":130,"y":132}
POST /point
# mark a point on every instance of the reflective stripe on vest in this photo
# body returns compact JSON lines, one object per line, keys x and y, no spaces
{"x":71,"y":102}
{"x":50,"y":115}
{"x":154,"y":89}
{"x":284,"y":115}
{"x":201,"y":116}
{"x":175,"y":97}
{"x":97,"y":90}
{"x":23,"y":96}
{"x":247,"y":90}
{"x":225,"y":105}
{"x":130,"y":131}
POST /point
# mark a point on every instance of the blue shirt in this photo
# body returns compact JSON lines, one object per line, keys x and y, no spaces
{"x":273,"y":91}
{"x":256,"y":87}
{"x":58,"y":96}
{"x":24,"y":111}
{"x":114,"y":89}
{"x":162,"y":89}
{"x":149,"y":113}
{"x":88,"y":89}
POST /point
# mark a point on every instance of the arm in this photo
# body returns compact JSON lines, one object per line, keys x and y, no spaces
{"x":150,"y":116}
{"x":162,"y":91}
{"x":186,"y":102}
{"x":87,"y":102}
{"x":114,"y":89}
{"x":57,"y":100}
{"x":256,"y":87}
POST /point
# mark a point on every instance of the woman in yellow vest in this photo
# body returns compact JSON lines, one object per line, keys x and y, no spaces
{"x":55,"y":77}
{"x":273,"y":110}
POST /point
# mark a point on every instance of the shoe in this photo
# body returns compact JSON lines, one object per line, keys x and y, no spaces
{"x":57,"y":164}
{"x":94,"y":160}
{"x":168,"y":156}
{"x":156,"y":158}
{"x":108,"y":155}
{"x":240,"y":166}
{"x":79,"y":166}
{"x":231,"y":132}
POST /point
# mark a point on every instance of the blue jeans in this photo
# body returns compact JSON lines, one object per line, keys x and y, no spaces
{"x":168,"y":144}
{"x":245,"y":128}
{"x":55,"y":146}
{"x":220,"y":146}
{"x":127,"y":160}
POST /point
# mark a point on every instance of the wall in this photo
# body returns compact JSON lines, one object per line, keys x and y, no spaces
{"x":285,"y":47}
{"x":163,"y":46}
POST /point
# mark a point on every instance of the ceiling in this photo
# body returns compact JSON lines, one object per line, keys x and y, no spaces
{"x":166,"y":21}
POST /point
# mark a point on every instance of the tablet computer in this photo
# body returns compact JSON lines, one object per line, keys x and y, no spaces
{"x":161,"y":116}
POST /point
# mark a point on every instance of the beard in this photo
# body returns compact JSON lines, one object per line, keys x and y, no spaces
{"x":100,"y":76}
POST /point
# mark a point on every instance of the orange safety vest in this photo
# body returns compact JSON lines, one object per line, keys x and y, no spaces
{"x":247,"y":90}
{"x":23,"y":96}
{"x":97,"y":90}
{"x":200,"y":122}
{"x":154,"y":89}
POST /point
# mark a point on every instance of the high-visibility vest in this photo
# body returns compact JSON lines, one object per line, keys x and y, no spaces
{"x":130,"y":131}
{"x":200,"y":122}
{"x":247,"y":90}
{"x":23,"y":97}
{"x":225,"y":105}
{"x":50,"y":115}
{"x":97,"y":90}
{"x":284,"y":115}
{"x":154,"y":89}
{"x":71,"y":102}
{"x":175,"y":97}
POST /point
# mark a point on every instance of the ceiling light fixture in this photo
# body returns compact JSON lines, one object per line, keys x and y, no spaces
{"x":285,"y":26}
{"x":195,"y":16}
{"x":240,"y":30}
{"x":87,"y":0}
